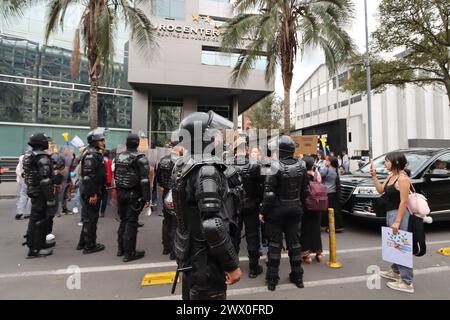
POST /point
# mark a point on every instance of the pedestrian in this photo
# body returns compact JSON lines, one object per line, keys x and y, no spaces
{"x":23,"y":202}
{"x":345,"y":161}
{"x":285,"y":188}
{"x":108,"y":183}
{"x":133,"y":191}
{"x":395,"y":191}
{"x":202,"y":241}
{"x":69,"y":158}
{"x":330,"y":176}
{"x":38,"y":176}
{"x":310,"y":236}
{"x":93,"y":177}
{"x":320,"y":160}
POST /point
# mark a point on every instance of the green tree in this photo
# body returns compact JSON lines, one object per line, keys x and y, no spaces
{"x":95,"y":34}
{"x":279,"y":28}
{"x":422,"y":29}
{"x":266,"y":114}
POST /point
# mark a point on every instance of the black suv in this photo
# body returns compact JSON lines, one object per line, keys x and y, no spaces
{"x":430,"y":175}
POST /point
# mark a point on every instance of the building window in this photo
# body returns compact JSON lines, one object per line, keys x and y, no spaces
{"x":332,"y":107}
{"x":169,"y":9}
{"x":323,"y":89}
{"x":226,"y":59}
{"x":224,"y":111}
{"x":308,"y":96}
{"x":355,"y":99}
{"x":349,"y":137}
{"x":343,"y":103}
{"x":166,"y":116}
{"x":332,"y":84}
{"x":342,"y":78}
{"x":315,"y":93}
{"x":323,"y":110}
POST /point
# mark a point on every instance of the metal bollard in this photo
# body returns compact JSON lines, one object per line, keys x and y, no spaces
{"x":333,"y":262}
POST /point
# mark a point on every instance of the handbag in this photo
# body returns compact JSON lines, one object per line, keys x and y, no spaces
{"x":317,"y":199}
{"x":417,"y":203}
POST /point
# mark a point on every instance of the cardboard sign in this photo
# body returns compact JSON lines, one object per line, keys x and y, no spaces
{"x":306,"y":145}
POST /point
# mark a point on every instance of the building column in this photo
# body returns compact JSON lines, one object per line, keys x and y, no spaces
{"x":139,"y":112}
{"x":189,"y":106}
{"x":235,"y":110}
{"x":411,"y":112}
{"x":429,"y":113}
{"x":392,"y":119}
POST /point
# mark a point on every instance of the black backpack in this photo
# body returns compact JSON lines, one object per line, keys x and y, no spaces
{"x":416,"y":226}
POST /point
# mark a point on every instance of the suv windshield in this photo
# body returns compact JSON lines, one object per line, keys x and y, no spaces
{"x":415,"y":160}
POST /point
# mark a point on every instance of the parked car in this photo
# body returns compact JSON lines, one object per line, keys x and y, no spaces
{"x":430,"y":176}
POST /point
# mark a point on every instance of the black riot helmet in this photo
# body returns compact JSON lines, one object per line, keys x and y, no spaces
{"x":202,"y":128}
{"x":284,"y":146}
{"x":133,"y":141}
{"x":58,"y":161}
{"x":39,"y":141}
{"x":95,"y":135}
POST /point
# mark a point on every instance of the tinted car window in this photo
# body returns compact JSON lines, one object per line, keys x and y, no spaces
{"x":415,"y":160}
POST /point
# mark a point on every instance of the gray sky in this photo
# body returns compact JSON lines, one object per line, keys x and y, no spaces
{"x":313,"y":58}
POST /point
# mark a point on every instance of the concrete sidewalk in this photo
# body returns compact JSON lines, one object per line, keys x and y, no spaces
{"x":8,"y":190}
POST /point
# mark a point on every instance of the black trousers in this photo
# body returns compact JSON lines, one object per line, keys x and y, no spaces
{"x":206,"y":279}
{"x":333,"y":202}
{"x":283,"y":221}
{"x":89,"y":217}
{"x":37,"y":225}
{"x":250,"y":221}
{"x":169,"y":225}
{"x":130,"y":205}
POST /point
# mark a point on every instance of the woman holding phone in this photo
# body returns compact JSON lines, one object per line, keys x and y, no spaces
{"x":395,"y":191}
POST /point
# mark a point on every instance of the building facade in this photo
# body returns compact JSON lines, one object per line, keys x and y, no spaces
{"x":401,"y":118}
{"x":188,"y":72}
{"x":38,"y":93}
{"x":147,"y":92}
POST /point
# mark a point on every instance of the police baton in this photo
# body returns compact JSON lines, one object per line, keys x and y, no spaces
{"x":177,"y":275}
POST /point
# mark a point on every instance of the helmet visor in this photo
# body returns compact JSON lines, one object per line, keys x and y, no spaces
{"x":218,"y":122}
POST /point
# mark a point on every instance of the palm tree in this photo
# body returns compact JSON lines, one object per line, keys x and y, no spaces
{"x":276,"y":29}
{"x":96,"y":31}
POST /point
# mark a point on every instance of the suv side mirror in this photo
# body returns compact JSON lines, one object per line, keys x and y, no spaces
{"x":436,"y":175}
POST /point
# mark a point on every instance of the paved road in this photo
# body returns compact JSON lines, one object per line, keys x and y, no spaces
{"x":105,"y":276}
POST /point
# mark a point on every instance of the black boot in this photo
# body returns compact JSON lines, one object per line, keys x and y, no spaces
{"x":296,"y":279}
{"x":255,"y":271}
{"x":95,"y":248}
{"x":272,"y":284}
{"x":38,"y":253}
{"x":172,"y":256}
{"x":120,"y":252}
{"x":133,"y":256}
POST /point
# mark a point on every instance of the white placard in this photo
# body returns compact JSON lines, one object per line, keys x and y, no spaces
{"x":77,"y":142}
{"x":397,"y":248}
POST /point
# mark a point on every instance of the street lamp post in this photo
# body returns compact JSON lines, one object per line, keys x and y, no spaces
{"x":369,"y":85}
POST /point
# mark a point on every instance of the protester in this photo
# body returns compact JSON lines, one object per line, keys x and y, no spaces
{"x":108,"y":183}
{"x":310,"y":238}
{"x":345,"y":161}
{"x":395,"y":191}
{"x":23,"y":201}
{"x":320,"y":161}
{"x":330,"y":176}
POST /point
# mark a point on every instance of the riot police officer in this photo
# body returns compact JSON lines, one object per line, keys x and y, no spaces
{"x":93,"y":177}
{"x":164,"y":179}
{"x":133,"y":189}
{"x":202,"y":240}
{"x":38,"y":176}
{"x":250,"y":175}
{"x":285,"y":188}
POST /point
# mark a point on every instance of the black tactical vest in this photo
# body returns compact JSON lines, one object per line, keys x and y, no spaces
{"x":165,"y":175}
{"x":126,"y":173}
{"x":290,"y":180}
{"x":30,"y":167}
{"x":250,"y":180}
